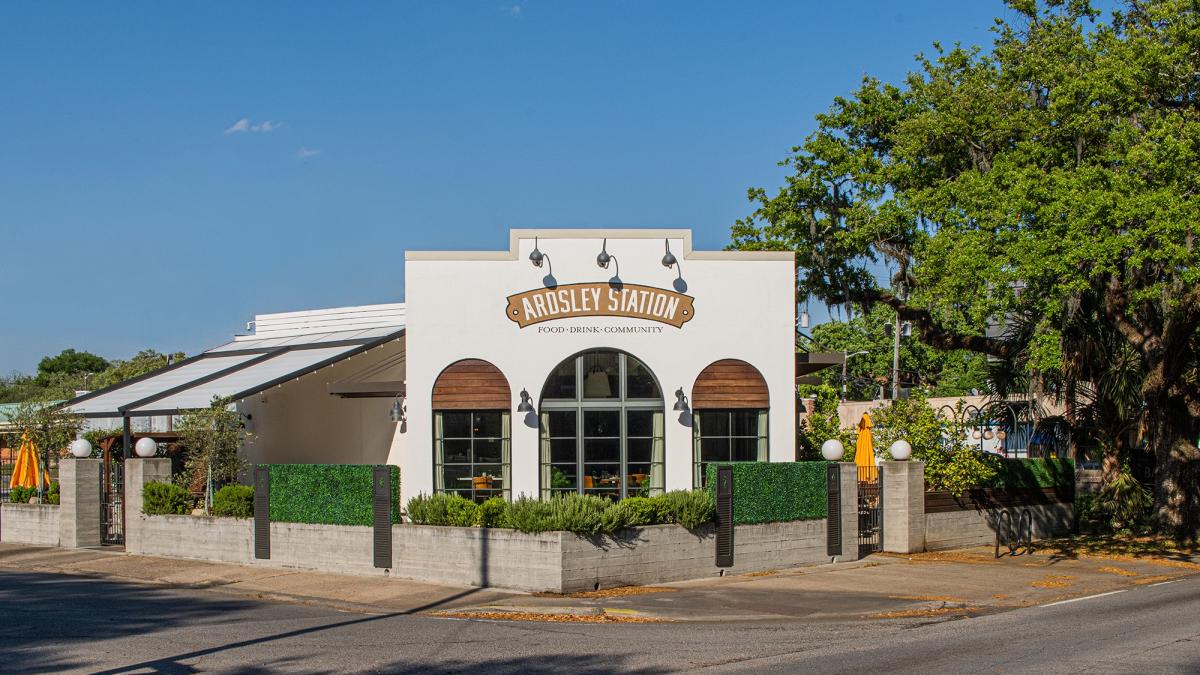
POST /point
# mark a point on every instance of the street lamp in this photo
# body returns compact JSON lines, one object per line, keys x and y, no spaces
{"x":845,"y":359}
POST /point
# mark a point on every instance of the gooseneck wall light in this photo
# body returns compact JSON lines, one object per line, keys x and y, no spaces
{"x":526,"y":404}
{"x":537,"y":257}
{"x":668,"y":259}
{"x":604,"y":258}
{"x":396,"y":414}
{"x":681,"y":402}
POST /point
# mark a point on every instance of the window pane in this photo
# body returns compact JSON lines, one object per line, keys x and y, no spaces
{"x":457,"y":477}
{"x":601,"y":423}
{"x":562,"y":451}
{"x":601,"y":375}
{"x":561,"y":383}
{"x":487,"y":451}
{"x":638,"y":449}
{"x":487,"y":425}
{"x":640,"y":423}
{"x":563,"y":476}
{"x":602,"y":450}
{"x":456,"y":450}
{"x":456,"y":424}
{"x":602,"y":476}
{"x":745,"y":449}
{"x":714,"y":449}
{"x":639,"y":382}
{"x":745,"y":423}
{"x":714,"y":423}
{"x":561,"y":423}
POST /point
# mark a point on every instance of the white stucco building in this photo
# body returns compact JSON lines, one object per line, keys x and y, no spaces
{"x":614,"y":362}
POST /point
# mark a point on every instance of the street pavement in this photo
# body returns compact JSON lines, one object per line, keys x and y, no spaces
{"x":65,"y":617}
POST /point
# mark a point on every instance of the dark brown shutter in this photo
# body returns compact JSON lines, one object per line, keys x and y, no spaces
{"x":724,"y":516}
{"x":382,"y":506}
{"x":730,"y":383}
{"x":471,"y":384}
{"x":262,"y":512}
{"x":833,"y":526}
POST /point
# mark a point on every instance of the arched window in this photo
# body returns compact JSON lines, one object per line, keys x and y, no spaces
{"x":730,"y":406}
{"x":601,"y":418}
{"x":472,"y":431}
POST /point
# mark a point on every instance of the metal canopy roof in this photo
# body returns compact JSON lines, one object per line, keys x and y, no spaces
{"x":237,"y":369}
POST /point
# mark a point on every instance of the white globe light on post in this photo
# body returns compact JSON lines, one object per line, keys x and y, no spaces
{"x":832,"y":450}
{"x":145,"y":447}
{"x":81,"y":448}
{"x":901,"y":450}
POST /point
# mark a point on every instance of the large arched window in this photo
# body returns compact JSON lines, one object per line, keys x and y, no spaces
{"x":730,"y":404}
{"x":601,"y":419}
{"x":472,"y":431}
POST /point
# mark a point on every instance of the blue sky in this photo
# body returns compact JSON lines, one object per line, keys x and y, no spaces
{"x":168,"y":169}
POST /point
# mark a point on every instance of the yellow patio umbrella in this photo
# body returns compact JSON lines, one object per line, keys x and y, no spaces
{"x":27,"y":471}
{"x":864,"y":452}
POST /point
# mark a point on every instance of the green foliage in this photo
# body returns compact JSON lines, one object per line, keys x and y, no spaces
{"x":327,"y":494}
{"x":639,"y":511}
{"x":461,"y":512}
{"x":1123,"y":505}
{"x":1034,"y":473}
{"x":145,"y":361}
{"x":444,"y":509}
{"x":69,"y":362}
{"x":580,"y":514}
{"x":212,"y":437}
{"x":493,"y":513}
{"x":766,"y":492}
{"x":48,"y":426}
{"x":235,"y":501}
{"x":160,"y":499}
{"x":531,"y":515}
{"x":949,"y":465}
{"x":53,"y":495}
{"x":689,"y":508}
{"x":960,"y":471}
{"x":21,"y":495}
{"x":822,"y":424}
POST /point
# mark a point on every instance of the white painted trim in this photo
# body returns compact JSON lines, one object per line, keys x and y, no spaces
{"x":515,"y":236}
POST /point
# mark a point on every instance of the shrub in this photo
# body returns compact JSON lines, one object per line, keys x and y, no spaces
{"x":21,"y":495}
{"x":960,"y":471}
{"x":1123,"y":505}
{"x":327,"y":494}
{"x":766,"y":492}
{"x":530,"y":515}
{"x":1034,"y":473}
{"x":460,"y":511}
{"x":160,"y":499}
{"x":493,"y":513}
{"x":53,"y":495}
{"x":689,"y":508}
{"x":580,"y":514}
{"x":641,"y":510}
{"x":236,"y":501}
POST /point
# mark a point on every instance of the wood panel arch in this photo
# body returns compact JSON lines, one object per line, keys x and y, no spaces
{"x":730,"y":383}
{"x":471,"y":384}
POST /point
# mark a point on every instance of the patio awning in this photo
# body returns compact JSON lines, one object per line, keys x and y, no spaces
{"x":235,"y":370}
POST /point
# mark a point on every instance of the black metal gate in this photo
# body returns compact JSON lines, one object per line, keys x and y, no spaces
{"x":870,"y":510}
{"x":112,"y":501}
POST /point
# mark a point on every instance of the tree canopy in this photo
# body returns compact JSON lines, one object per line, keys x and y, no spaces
{"x":69,"y":362}
{"x":1054,"y":173}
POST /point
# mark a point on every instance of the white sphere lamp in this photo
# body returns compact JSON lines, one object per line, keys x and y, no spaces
{"x":901,"y":450}
{"x":81,"y":448}
{"x":832,"y":450}
{"x":145,"y":447}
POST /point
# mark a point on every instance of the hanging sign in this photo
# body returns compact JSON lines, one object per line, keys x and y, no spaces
{"x":600,"y":299}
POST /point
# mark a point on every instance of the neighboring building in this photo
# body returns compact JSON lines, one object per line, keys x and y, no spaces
{"x":528,"y":371}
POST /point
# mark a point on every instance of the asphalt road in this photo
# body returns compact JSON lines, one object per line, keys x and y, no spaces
{"x":56,"y":623}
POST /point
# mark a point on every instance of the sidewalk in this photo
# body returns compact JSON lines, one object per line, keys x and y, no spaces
{"x":883,"y":586}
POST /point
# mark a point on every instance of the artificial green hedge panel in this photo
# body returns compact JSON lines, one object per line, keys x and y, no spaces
{"x":327,"y":494}
{"x":767,"y":492}
{"x":1035,"y":473}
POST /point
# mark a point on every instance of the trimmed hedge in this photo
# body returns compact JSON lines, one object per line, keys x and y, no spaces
{"x":163,"y":499}
{"x":327,"y":494}
{"x":767,"y":492}
{"x":234,"y":501}
{"x":1034,"y":473}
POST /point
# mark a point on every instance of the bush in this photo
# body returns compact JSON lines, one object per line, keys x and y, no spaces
{"x":443,"y":509}
{"x":53,"y":496}
{"x":1122,"y":506}
{"x":580,"y":514}
{"x":530,"y":515}
{"x":493,"y":513}
{"x":235,"y":501}
{"x":641,"y":510}
{"x":1034,"y":473}
{"x":21,"y":495}
{"x":159,"y":499}
{"x":460,"y":512}
{"x":689,"y":508}
{"x":767,"y":492}
{"x":327,"y":494}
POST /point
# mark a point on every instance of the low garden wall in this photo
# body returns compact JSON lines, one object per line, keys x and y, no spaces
{"x":30,"y":524}
{"x":973,"y":523}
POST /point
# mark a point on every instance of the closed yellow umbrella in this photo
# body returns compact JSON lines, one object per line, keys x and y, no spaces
{"x":27,"y":471}
{"x":864,"y":452}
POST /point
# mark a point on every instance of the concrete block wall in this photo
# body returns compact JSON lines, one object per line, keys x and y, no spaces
{"x":344,"y":549}
{"x":849,"y":501}
{"x":36,"y":524}
{"x":977,"y":527}
{"x":195,"y":537}
{"x":478,"y":557}
{"x":138,"y":472}
{"x":79,"y":502}
{"x":904,"y":507}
